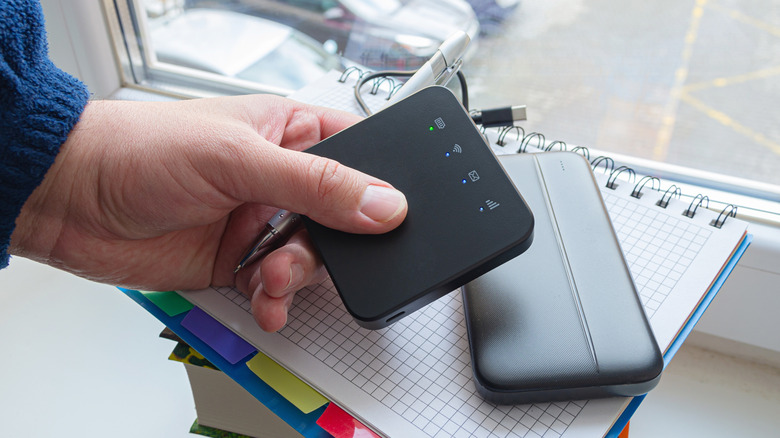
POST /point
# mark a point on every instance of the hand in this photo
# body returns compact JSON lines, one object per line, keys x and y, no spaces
{"x":163,"y":196}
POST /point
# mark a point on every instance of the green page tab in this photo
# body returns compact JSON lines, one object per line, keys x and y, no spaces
{"x":170,"y":302}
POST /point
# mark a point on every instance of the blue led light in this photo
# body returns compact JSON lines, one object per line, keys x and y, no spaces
{"x":463,"y":180}
{"x":481,"y":208}
{"x":446,"y":154}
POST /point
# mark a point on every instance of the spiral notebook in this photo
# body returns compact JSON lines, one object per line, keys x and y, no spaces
{"x":337,"y":90}
{"x":414,"y":378}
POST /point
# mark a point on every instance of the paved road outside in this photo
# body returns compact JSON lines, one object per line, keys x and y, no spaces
{"x":694,"y":83}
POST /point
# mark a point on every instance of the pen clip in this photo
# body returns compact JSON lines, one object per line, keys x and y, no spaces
{"x":275,"y":233}
{"x":447,"y":72}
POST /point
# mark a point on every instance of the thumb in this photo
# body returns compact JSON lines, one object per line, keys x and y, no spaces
{"x":332,"y":194}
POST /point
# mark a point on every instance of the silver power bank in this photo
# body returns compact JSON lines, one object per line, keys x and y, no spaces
{"x":562,"y":320}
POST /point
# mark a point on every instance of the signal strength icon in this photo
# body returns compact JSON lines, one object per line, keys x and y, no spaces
{"x":492,"y":204}
{"x":457,"y":149}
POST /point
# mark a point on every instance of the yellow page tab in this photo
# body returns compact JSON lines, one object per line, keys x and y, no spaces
{"x":295,"y":390}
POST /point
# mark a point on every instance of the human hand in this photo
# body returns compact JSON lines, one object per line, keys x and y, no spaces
{"x":163,"y":196}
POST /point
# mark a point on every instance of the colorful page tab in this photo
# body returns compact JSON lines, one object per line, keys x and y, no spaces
{"x":228,"y":344}
{"x":340,"y":424}
{"x":185,"y":354}
{"x":286,"y":384}
{"x":169,"y":302}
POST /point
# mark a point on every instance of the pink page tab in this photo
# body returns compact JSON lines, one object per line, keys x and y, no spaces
{"x":228,"y":344}
{"x":340,"y":424}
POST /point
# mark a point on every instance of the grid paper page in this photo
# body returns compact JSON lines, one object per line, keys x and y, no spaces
{"x":668,"y":253}
{"x":414,"y":378}
{"x":418,"y":369}
{"x":673,"y":259}
{"x":334,"y":91}
{"x":658,"y":259}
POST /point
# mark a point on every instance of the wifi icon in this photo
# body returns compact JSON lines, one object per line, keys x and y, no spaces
{"x":457,"y":149}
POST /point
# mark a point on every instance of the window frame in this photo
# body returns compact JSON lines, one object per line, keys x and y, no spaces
{"x":139,"y":69}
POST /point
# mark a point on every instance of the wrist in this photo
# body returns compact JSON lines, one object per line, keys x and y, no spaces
{"x":33,"y":211}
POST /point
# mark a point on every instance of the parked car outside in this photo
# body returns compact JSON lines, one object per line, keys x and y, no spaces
{"x":399,"y":34}
{"x":492,"y":13}
{"x":240,"y":46}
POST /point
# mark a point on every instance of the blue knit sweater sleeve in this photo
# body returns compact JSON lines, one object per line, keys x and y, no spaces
{"x":39,"y":105}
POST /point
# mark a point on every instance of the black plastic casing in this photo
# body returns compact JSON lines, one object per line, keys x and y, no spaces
{"x":465,"y":215}
{"x":563,"y":321}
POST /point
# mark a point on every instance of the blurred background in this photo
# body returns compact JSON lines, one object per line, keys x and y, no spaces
{"x":691,"y":83}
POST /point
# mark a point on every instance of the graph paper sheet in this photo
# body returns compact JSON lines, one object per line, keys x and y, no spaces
{"x":336,"y":90}
{"x":414,"y":378}
{"x":673,"y":258}
{"x":410,"y":379}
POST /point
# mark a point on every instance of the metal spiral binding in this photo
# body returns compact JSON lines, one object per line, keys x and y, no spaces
{"x":637,"y":192}
{"x":691,"y":211}
{"x":527,"y":141}
{"x":505,"y":130}
{"x":728,"y":211}
{"x":613,"y":176}
{"x":348,"y":72}
{"x":561,"y":145}
{"x":673,"y":190}
{"x":585,"y":151}
{"x":394,"y":90}
{"x":379,"y":81}
{"x":609,"y":163}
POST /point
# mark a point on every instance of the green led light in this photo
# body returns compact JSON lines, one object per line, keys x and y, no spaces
{"x":430,"y":128}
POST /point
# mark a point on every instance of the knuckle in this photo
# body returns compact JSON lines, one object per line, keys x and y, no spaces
{"x":328,"y":176}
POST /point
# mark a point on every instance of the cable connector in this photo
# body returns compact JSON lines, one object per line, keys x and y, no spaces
{"x":504,"y":116}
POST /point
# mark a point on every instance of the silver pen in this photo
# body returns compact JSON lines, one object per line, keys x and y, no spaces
{"x":276,"y":232}
{"x":439,"y":69}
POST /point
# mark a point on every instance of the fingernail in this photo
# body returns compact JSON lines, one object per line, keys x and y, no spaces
{"x":296,"y":276}
{"x":382,"y":204}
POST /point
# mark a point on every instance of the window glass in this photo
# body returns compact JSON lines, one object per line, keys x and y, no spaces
{"x":377,"y":34}
{"x":694,"y":84}
{"x":239,"y":46}
{"x":688,"y":84}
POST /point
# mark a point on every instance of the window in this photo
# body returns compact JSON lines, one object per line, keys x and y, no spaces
{"x":690,"y":84}
{"x":199,"y":47}
{"x":690,"y":90}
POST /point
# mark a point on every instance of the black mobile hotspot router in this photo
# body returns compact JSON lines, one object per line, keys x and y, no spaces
{"x":465,"y":215}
